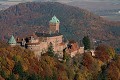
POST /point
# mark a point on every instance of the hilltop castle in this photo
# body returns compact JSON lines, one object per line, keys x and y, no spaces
{"x":39,"y":42}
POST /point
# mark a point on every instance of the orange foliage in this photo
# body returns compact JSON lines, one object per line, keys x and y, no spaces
{"x":102,"y":53}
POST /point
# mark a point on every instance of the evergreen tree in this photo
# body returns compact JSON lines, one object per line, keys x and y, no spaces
{"x":66,"y":57}
{"x":18,"y":69}
{"x":64,"y":54}
{"x":11,"y":77}
{"x":48,"y":78}
{"x":50,"y":50}
{"x":3,"y":74}
{"x":34,"y":77}
{"x":86,"y":42}
{"x":103,"y":74}
{"x":54,"y":77}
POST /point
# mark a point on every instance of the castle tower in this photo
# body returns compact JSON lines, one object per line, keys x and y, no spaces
{"x":12,"y":41}
{"x":54,"y":25}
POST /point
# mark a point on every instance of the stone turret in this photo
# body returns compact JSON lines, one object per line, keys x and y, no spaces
{"x":54,"y":25}
{"x":12,"y":41}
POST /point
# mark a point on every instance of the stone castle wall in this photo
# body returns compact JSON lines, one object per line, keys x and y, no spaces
{"x":41,"y":48}
{"x":56,"y":40}
{"x":81,"y":50}
{"x":54,"y":27}
{"x":33,"y":47}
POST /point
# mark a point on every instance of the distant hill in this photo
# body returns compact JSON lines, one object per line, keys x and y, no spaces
{"x":26,"y":18}
{"x":108,"y":9}
{"x":96,"y":5}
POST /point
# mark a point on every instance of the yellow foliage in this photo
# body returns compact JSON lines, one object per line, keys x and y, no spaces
{"x":0,"y":59}
{"x":63,"y":75}
{"x":25,"y":67}
{"x":12,"y":54}
{"x":26,"y":61}
{"x":4,"y":63}
{"x":8,"y":72}
{"x":100,"y":63}
{"x":111,"y":52}
{"x":19,"y":58}
{"x":10,"y":63}
{"x":50,"y":61}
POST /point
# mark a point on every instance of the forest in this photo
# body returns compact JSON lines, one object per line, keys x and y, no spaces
{"x":17,"y":63}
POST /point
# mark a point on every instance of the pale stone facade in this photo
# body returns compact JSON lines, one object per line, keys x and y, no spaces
{"x":54,"y":27}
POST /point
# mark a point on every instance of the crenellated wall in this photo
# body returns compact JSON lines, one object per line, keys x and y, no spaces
{"x":55,"y":39}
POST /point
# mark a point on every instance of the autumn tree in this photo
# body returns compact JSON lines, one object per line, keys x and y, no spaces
{"x":1,"y":78}
{"x":83,"y":74}
{"x":78,"y":59}
{"x":113,"y":72}
{"x":105,"y":53}
{"x":111,"y":52}
{"x":92,"y":64}
{"x":86,"y":42}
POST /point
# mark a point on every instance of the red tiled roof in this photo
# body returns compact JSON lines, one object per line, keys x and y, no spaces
{"x":74,"y":47}
{"x":61,"y":44}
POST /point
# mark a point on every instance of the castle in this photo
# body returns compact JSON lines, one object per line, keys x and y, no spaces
{"x":39,"y":42}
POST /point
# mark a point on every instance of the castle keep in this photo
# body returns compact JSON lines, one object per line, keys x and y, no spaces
{"x":39,"y":42}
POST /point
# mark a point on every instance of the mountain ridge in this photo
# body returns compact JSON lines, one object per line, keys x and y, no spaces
{"x":26,"y":18}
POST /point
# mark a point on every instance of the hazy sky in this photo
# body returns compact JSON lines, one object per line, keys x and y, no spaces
{"x":57,"y":0}
{"x":12,"y":2}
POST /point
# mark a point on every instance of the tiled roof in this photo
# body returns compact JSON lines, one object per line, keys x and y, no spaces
{"x":74,"y":47}
{"x":48,"y":35}
{"x":62,"y":44}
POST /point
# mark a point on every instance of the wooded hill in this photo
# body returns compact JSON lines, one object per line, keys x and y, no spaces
{"x":26,"y":18}
{"x":17,"y":63}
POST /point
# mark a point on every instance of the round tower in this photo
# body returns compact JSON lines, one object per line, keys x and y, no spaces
{"x":12,"y":41}
{"x":54,"y":25}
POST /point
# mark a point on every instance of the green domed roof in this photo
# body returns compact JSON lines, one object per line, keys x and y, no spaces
{"x":12,"y":40}
{"x":54,"y":20}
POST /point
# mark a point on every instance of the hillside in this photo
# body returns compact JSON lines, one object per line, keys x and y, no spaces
{"x":26,"y":18}
{"x":107,"y":9}
{"x":17,"y":63}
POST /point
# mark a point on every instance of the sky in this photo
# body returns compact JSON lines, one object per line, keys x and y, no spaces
{"x":13,"y":2}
